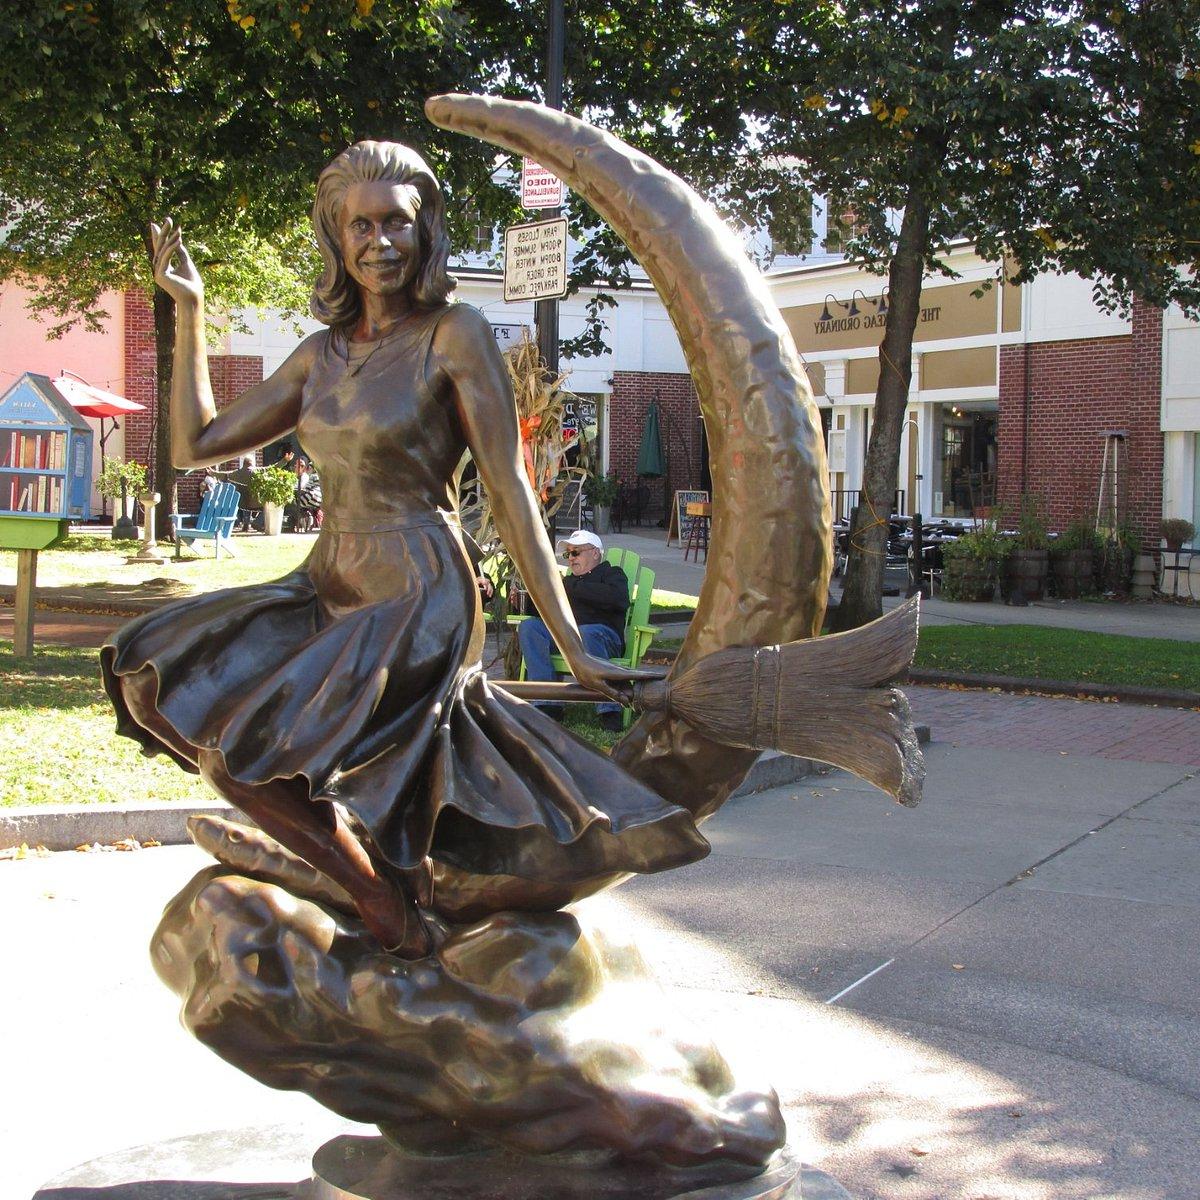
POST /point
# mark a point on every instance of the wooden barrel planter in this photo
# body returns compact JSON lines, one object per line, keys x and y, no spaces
{"x":1073,"y":573}
{"x":1025,"y":571}
{"x":968,"y":579}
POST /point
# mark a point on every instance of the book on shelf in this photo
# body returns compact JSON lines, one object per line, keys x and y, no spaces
{"x":23,"y":502}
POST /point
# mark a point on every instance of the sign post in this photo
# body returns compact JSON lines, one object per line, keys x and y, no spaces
{"x":547,"y":310}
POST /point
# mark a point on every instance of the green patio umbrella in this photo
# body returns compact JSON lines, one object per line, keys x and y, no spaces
{"x":651,"y":462}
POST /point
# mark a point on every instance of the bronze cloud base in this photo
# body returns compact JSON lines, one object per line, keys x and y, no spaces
{"x":530,"y":1034}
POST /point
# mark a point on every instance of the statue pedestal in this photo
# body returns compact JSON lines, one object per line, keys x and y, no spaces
{"x":366,"y":1168}
{"x":270,"y":1164}
{"x":148,"y":553}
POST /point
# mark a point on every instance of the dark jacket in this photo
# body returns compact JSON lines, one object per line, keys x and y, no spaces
{"x":601,"y":597}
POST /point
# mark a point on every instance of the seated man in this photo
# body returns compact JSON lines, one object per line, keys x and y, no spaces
{"x":599,"y":596}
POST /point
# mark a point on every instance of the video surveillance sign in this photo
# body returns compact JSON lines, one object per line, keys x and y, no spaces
{"x":540,"y":188}
{"x":535,"y":260}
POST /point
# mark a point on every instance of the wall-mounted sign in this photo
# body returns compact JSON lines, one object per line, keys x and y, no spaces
{"x":858,"y":320}
{"x":578,"y":412}
{"x":540,"y":188}
{"x":508,"y":336}
{"x":535,"y":260}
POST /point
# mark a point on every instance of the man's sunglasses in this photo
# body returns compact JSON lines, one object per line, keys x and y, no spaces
{"x":572,"y":554}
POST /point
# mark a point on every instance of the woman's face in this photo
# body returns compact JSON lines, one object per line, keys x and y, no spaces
{"x":378,"y":237}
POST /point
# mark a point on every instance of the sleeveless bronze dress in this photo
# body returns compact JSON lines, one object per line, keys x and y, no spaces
{"x":357,"y":677}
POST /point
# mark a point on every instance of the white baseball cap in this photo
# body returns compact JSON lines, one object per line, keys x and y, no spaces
{"x":581,"y":537}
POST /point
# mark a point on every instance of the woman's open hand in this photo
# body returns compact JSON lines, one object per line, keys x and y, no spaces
{"x":179,"y":278}
{"x":608,"y":678}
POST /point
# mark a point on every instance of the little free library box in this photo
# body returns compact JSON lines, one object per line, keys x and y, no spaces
{"x":45,"y":482}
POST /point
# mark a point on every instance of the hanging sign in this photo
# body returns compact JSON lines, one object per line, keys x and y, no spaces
{"x":540,"y":188}
{"x":535,"y":260}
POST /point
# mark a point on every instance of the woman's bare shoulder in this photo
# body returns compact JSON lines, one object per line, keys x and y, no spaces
{"x":300,"y":362}
{"x":462,"y":321}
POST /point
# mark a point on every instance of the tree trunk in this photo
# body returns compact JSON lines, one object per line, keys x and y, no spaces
{"x":162,"y":475}
{"x":862,"y":594}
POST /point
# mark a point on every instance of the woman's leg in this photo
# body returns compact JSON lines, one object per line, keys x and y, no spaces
{"x":311,"y":830}
{"x":314,"y":831}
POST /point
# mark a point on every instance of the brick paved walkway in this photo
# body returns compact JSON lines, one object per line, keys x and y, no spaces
{"x":1045,"y":725}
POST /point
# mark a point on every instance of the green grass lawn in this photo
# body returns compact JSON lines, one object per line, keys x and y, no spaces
{"x":1035,"y":652}
{"x":91,"y":561}
{"x":58,"y":741}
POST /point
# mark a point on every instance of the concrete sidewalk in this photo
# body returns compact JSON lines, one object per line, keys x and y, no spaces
{"x":993,"y":997}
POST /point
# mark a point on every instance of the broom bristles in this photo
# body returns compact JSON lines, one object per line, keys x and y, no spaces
{"x":816,"y":699}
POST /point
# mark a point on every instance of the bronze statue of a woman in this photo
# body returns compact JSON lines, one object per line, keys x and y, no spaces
{"x":354,"y":683}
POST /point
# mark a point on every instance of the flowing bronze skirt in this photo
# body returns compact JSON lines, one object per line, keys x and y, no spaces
{"x":356,"y":679}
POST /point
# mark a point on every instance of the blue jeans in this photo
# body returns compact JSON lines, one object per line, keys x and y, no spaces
{"x":537,"y":645}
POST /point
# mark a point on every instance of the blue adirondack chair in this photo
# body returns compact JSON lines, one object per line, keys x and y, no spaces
{"x":214,"y":521}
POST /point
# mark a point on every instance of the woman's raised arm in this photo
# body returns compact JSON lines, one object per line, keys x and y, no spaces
{"x":200,"y":436}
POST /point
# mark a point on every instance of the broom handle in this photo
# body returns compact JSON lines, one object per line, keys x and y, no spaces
{"x":528,"y":689}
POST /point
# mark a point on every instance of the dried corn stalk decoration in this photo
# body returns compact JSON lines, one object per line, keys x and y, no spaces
{"x":541,"y":406}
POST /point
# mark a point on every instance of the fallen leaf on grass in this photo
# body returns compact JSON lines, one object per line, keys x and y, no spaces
{"x":919,"y":1151}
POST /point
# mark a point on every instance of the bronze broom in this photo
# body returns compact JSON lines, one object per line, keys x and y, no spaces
{"x":821,"y":698}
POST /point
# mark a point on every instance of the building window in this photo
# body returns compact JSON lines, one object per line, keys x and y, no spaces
{"x":965,"y":473}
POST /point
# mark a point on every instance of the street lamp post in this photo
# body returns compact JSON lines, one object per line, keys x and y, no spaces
{"x":916,"y":552}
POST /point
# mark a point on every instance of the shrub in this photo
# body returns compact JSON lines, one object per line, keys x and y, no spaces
{"x":272,"y":485}
{"x":1031,"y":529}
{"x":984,"y":543}
{"x":1079,"y":535}
{"x":108,"y":482}
{"x":601,"y":490}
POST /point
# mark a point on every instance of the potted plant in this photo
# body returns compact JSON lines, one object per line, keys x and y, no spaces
{"x":123,"y":481}
{"x":1176,"y":532}
{"x":973,"y":563}
{"x":1073,"y":560}
{"x":272,"y":488}
{"x":1029,"y":558}
{"x":601,"y":492}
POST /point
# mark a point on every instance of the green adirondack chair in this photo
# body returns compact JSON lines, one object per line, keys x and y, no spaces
{"x":639,"y":633}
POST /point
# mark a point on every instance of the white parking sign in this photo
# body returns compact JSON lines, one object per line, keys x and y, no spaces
{"x":535,"y":260}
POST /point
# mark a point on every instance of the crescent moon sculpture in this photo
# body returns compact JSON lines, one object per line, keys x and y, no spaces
{"x":770,"y":556}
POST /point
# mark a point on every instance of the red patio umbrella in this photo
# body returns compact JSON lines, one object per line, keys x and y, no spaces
{"x":96,"y":402}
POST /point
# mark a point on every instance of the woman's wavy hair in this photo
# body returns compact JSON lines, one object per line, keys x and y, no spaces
{"x":335,"y":298}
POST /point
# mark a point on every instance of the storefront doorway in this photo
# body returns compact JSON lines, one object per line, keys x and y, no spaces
{"x":965,"y":470}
